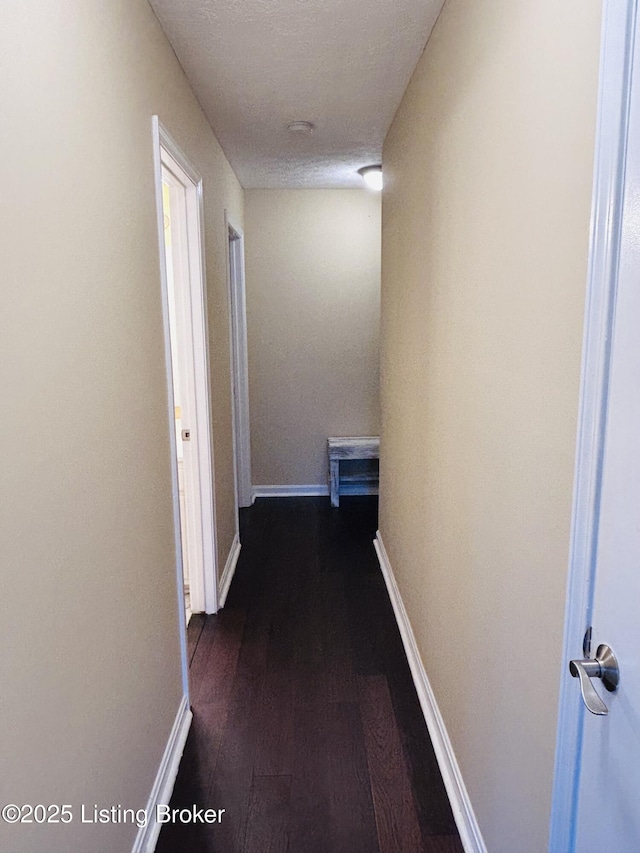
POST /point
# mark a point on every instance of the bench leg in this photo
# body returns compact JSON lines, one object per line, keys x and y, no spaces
{"x":335,"y":482}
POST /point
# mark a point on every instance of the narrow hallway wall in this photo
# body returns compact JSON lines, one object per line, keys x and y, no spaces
{"x":313,"y":307}
{"x":488,"y":170}
{"x":90,"y":666}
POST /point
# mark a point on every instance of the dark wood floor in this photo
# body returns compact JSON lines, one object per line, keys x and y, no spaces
{"x":307,"y":727}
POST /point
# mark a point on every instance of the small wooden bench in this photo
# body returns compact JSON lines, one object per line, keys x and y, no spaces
{"x":350,"y":447}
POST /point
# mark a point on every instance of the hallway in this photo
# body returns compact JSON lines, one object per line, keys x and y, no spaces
{"x":307,"y":729}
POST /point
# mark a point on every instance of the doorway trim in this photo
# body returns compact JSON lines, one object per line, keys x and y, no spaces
{"x":165,"y":151}
{"x":618,"y":25}
{"x":239,"y":360}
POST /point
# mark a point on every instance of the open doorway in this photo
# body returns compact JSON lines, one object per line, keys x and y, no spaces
{"x":239,"y":363}
{"x":179,"y":190}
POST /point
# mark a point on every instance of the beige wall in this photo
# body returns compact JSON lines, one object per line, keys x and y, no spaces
{"x":313,"y":303}
{"x":488,"y":168}
{"x":90,"y":668}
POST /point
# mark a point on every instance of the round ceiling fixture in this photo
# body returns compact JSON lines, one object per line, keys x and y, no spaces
{"x":301,"y":127}
{"x":372,"y":176}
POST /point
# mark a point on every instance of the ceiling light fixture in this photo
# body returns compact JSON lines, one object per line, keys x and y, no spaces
{"x":301,"y":127}
{"x":372,"y":176}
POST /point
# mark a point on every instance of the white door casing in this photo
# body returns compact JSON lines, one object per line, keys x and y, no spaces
{"x":597,"y":776}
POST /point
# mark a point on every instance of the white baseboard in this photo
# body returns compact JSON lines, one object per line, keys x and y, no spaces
{"x":147,"y":836}
{"x":229,"y":570}
{"x":465,"y":818}
{"x":312,"y":491}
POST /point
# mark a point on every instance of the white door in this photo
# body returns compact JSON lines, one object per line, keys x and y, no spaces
{"x":608,"y":809}
{"x":606,"y":767}
{"x":179,"y":298}
{"x":180,"y":195}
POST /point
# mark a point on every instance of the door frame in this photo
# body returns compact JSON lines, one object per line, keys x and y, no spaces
{"x":239,"y":360}
{"x":168,"y":153}
{"x":618,"y":27}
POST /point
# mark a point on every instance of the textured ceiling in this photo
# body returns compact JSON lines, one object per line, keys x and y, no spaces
{"x":257,"y":65}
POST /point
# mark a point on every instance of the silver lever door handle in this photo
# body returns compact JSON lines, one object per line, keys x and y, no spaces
{"x":604,"y":666}
{"x":585,"y":670}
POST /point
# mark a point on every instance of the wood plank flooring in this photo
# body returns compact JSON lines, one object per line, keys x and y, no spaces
{"x":307,"y":729}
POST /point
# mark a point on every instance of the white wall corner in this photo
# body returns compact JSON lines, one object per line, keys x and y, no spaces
{"x":229,"y":570}
{"x":147,"y":836}
{"x":463,"y":814}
